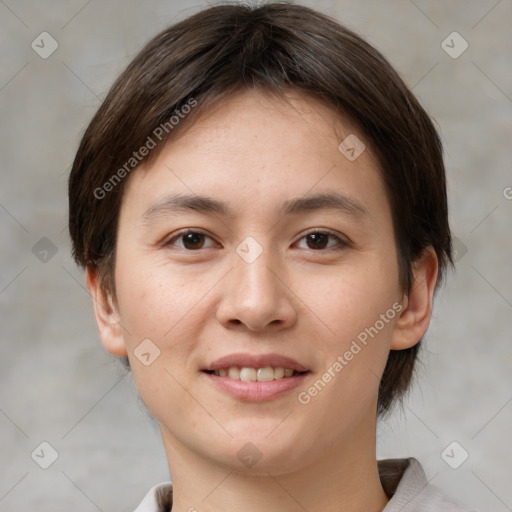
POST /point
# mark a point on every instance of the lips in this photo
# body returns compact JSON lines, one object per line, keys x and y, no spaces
{"x":255,"y":378}
{"x":255,"y":361}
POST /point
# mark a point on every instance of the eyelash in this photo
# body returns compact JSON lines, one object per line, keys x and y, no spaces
{"x":341,"y":243}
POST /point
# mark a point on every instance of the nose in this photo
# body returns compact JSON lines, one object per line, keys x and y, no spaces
{"x":256,"y":295}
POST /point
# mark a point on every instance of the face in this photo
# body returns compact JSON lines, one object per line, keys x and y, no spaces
{"x":266,"y":272}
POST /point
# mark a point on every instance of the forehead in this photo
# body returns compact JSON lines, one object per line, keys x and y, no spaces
{"x":258,"y":148}
{"x":302,"y":121}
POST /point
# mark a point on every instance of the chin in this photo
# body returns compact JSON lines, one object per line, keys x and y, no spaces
{"x":261,"y":451}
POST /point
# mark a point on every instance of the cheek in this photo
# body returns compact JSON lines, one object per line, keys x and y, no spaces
{"x":156,"y":304}
{"x":167,"y":307}
{"x":358,"y":309}
{"x":152,"y":298}
{"x":353,"y":299}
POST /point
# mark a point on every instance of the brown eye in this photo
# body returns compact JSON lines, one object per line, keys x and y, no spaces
{"x":318,"y":240}
{"x":191,"y":240}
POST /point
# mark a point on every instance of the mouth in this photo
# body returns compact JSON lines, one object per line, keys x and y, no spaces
{"x":248,"y":374}
{"x":255,"y":378}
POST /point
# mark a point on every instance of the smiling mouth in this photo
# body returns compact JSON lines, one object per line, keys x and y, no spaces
{"x":247,"y":374}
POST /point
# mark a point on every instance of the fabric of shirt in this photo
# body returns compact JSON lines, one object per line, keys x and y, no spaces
{"x":403,"y":480}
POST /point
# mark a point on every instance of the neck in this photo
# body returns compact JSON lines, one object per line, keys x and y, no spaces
{"x":344,"y":479}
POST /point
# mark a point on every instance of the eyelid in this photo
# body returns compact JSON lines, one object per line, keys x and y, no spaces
{"x":343,"y":241}
{"x":169,"y":241}
{"x":325,"y":231}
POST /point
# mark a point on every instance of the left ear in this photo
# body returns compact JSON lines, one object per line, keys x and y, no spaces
{"x":415,"y":317}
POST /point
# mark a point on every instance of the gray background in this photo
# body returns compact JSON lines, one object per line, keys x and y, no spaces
{"x":57,"y":383}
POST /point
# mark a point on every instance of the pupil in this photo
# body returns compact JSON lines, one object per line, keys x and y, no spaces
{"x":316,"y":237}
{"x":192,"y":238}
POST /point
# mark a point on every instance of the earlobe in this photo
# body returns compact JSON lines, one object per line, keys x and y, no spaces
{"x":107,"y":319}
{"x":415,"y":316}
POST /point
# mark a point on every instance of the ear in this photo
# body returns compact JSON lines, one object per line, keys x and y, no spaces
{"x":107,"y":318}
{"x":415,"y":317}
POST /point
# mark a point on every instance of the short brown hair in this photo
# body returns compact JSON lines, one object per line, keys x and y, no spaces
{"x":277,"y":47}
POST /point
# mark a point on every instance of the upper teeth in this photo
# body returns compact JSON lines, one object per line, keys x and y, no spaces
{"x":254,"y":374}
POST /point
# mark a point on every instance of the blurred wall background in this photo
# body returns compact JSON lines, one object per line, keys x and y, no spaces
{"x":58,"y":386}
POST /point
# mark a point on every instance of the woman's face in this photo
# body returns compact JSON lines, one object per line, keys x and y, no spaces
{"x":267,"y":272}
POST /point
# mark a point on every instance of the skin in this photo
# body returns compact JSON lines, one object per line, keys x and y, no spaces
{"x":199,"y":300}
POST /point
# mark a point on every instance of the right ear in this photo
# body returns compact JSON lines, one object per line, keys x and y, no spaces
{"x":107,"y":318}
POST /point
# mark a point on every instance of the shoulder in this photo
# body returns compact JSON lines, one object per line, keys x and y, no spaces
{"x":405,"y":481}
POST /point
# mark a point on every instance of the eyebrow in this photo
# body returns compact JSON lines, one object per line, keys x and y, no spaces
{"x":177,"y":203}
